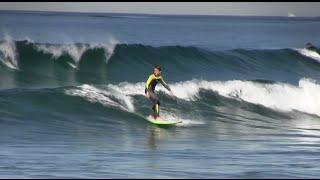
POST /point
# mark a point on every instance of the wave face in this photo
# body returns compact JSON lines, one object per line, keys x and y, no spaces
{"x":274,"y":99}
{"x":25,"y":63}
{"x":274,"y":82}
{"x":279,"y":97}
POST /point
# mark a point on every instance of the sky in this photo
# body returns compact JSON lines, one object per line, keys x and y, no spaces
{"x":195,"y":8}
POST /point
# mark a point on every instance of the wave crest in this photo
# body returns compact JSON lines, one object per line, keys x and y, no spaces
{"x":277,"y":96}
{"x":8,"y":52}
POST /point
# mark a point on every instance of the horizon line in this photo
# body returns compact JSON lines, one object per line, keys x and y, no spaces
{"x":148,"y":14}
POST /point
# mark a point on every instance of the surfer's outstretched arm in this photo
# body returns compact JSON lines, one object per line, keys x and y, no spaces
{"x":166,"y":86}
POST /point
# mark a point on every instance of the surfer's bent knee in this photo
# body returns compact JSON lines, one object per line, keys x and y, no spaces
{"x":152,"y":97}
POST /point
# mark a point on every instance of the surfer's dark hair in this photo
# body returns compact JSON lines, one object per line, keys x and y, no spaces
{"x":158,"y":67}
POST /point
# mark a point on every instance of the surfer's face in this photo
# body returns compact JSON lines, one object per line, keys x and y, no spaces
{"x":156,"y":72}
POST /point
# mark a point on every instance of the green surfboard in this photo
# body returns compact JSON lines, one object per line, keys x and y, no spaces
{"x":162,"y":121}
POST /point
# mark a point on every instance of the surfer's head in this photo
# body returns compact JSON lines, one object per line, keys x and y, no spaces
{"x":309,"y":45}
{"x":157,"y":70}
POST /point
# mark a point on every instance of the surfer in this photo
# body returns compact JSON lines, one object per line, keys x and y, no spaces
{"x":310,"y":46}
{"x":150,"y":87}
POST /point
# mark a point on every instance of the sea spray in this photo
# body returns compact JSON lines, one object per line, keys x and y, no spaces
{"x":8,"y":52}
{"x":277,"y":96}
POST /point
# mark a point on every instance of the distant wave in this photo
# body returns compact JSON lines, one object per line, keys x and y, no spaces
{"x":10,"y":49}
{"x":309,"y":53}
{"x":8,"y":53}
{"x":27,"y":62}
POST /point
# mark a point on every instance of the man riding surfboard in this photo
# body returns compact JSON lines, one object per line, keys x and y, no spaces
{"x":150,"y":87}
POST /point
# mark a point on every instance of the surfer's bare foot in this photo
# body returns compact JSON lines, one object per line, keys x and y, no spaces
{"x":157,"y":117}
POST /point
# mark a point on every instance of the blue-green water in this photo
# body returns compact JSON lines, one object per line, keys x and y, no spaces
{"x":72,"y":92}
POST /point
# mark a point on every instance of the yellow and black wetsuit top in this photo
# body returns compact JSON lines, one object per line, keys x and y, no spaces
{"x":153,"y":81}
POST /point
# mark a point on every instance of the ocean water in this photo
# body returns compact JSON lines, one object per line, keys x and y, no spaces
{"x":72,"y":96}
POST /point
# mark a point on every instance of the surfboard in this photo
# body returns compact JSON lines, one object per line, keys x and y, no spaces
{"x":162,"y":121}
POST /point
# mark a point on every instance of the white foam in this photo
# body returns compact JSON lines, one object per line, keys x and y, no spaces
{"x":8,"y":54}
{"x":189,"y":122}
{"x":108,"y":48}
{"x":279,"y":96}
{"x":309,"y":53}
{"x":129,"y":88}
{"x":72,"y":65}
{"x":76,"y":50}
{"x":126,"y":99}
{"x":123,"y":93}
{"x":102,"y":96}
